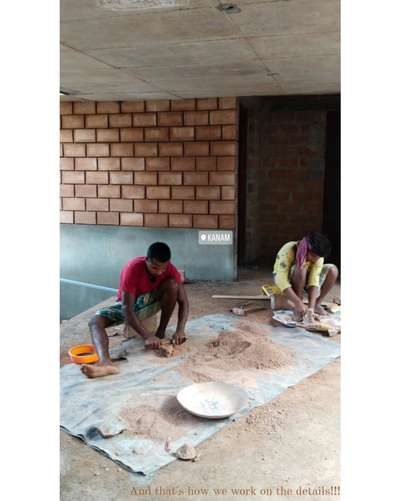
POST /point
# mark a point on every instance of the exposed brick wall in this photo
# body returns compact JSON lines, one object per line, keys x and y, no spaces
{"x":285,"y":177}
{"x":150,"y":163}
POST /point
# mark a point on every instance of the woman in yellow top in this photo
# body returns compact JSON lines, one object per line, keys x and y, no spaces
{"x":300,"y":265}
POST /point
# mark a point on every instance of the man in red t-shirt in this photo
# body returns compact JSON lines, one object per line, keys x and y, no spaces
{"x":147,"y":284}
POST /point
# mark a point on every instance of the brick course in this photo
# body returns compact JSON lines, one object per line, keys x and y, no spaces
{"x":150,"y":163}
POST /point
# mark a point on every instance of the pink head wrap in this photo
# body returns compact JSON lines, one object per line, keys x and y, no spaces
{"x":302,"y":248}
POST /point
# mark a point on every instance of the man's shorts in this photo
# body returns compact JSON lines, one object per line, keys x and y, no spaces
{"x":325,"y":269}
{"x":145,"y":306}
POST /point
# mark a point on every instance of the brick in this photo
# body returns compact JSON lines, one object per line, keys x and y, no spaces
{"x":171,"y":118}
{"x":97,"y":150}
{"x":158,"y":192}
{"x":146,"y":150}
{"x":208,"y":193}
{"x":67,"y":190}
{"x":121,"y":149}
{"x":131,"y":219}
{"x":86,"y":108}
{"x":86,"y":190}
{"x":121,"y":205}
{"x":206,"y":163}
{"x":132,"y":106}
{"x":61,"y":149}
{"x":107,"y":135}
{"x":222,"y":178}
{"x":108,"y":107}
{"x":66,"y":136}
{"x":85,"y":164}
{"x":66,"y":216}
{"x":97,"y":204}
{"x":69,"y":177}
{"x":229,"y":132}
{"x":157,"y":105}
{"x":145,"y":119}
{"x":121,"y":177}
{"x":182,"y":133}
{"x":74,"y":150}
{"x":96,"y":177}
{"x":84,"y":135}
{"x":180,"y":220}
{"x":183,"y":163}
{"x":66,"y":164}
{"x":96,"y":121}
{"x":211,"y":133}
{"x":65,"y":108}
{"x":85,"y":218}
{"x":132,"y":163}
{"x":207,"y":104}
{"x":156,"y":220}
{"x":156,"y":134}
{"x":108,"y":191}
{"x":195,"y":207}
{"x":109,"y":163}
{"x":223,"y":149}
{"x":157,"y":164}
{"x":196,"y":118}
{"x":196,"y":149}
{"x":170,"y":206}
{"x":133,"y":192}
{"x":222,"y":117}
{"x":170,"y":178}
{"x":227,"y":222}
{"x":120,"y":120}
{"x":132,"y":135}
{"x":226,"y":163}
{"x":72,"y":122}
{"x":222,"y":207}
{"x":182,"y":193}
{"x":203,"y":221}
{"x":108,"y":218}
{"x":183,"y":104}
{"x":195,"y":178}
{"x":145,"y":206}
{"x":228,"y":193}
{"x":145,"y":178}
{"x":227,"y":103}
{"x":170,"y":149}
{"x":73,"y":203}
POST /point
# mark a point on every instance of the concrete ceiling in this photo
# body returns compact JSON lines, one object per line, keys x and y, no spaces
{"x":170,"y":49}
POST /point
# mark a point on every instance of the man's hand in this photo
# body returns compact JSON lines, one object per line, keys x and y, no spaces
{"x":299,"y":311}
{"x":179,"y":337}
{"x":152,"y":342}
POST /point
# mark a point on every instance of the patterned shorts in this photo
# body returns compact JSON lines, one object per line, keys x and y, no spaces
{"x":325,"y":269}
{"x":145,"y":306}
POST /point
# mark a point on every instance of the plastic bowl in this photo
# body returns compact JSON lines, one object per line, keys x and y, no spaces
{"x":83,"y":354}
{"x":212,"y":400}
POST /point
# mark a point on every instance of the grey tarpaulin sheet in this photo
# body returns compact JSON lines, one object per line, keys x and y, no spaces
{"x":86,"y":403}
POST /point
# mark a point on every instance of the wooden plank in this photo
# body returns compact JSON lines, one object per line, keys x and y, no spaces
{"x":227,"y":296}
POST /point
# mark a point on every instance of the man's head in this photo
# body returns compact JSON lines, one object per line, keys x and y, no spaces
{"x":320,"y":246}
{"x":158,"y":257}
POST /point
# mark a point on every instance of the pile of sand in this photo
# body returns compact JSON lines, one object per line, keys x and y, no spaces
{"x":235,"y":350}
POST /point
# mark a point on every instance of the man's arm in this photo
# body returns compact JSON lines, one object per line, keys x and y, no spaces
{"x":183,"y":312}
{"x":132,"y":320}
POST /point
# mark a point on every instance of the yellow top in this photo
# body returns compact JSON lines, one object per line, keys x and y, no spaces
{"x":285,"y":259}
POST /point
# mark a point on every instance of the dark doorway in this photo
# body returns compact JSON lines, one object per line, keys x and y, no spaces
{"x":331,"y":222}
{"x":242,"y":186}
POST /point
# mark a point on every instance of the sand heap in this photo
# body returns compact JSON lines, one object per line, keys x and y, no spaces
{"x":236,"y":350}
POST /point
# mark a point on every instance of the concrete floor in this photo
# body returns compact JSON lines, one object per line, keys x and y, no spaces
{"x":291,"y":442}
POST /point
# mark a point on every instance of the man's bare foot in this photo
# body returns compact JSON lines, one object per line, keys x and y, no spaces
{"x":319,"y":310}
{"x":92,"y":371}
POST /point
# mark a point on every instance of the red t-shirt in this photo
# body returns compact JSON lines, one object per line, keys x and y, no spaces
{"x":135,"y":278}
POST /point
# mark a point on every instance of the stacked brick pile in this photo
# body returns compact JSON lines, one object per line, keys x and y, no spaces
{"x":150,"y":163}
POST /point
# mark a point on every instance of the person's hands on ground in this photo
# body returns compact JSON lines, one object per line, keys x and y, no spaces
{"x":152,"y":342}
{"x":299,"y":312}
{"x":179,"y":337}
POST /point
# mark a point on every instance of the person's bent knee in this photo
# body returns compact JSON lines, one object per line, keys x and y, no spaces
{"x":333,"y":271}
{"x":170,"y":285}
{"x":97,"y":321}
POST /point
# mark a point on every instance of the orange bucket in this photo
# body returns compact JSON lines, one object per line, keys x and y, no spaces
{"x":83,"y":354}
